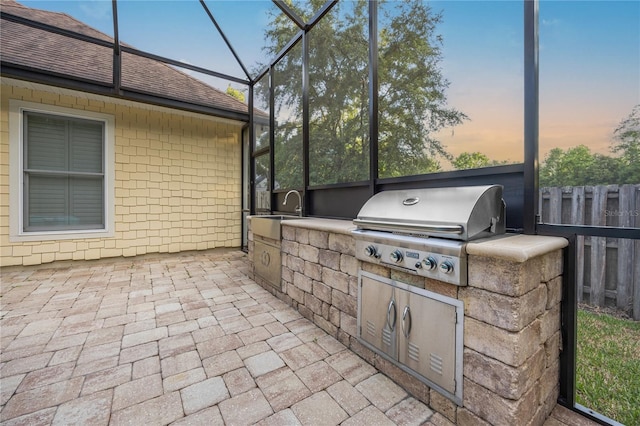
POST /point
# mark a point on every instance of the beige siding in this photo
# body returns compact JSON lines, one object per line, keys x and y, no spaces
{"x":177,"y":182}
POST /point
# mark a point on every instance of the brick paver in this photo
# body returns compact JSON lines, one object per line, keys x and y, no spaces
{"x":185,"y":339}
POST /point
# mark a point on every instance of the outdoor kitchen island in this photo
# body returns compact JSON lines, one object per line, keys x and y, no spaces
{"x":511,"y":326}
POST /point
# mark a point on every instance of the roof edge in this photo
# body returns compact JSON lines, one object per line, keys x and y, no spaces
{"x":105,"y":94}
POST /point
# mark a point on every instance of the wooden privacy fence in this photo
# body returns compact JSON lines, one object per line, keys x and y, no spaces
{"x":607,"y":269}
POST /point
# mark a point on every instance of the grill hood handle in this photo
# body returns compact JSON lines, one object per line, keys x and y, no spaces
{"x":394,"y":226}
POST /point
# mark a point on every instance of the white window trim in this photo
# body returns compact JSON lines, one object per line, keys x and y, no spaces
{"x":16,"y":175}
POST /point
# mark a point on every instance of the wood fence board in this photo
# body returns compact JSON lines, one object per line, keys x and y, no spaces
{"x":577,"y":218}
{"x":555,"y":205}
{"x":624,"y":282}
{"x":598,"y":248}
{"x":615,"y":282}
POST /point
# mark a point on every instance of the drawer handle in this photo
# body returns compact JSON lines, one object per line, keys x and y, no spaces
{"x":391,"y":319}
{"x":406,"y":321}
{"x":265,"y":259}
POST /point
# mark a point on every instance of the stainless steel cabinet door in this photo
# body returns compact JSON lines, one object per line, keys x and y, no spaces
{"x":427,"y":338}
{"x":267,"y":263}
{"x":378,"y":315}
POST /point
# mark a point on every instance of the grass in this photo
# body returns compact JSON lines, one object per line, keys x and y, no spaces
{"x":608,"y":366}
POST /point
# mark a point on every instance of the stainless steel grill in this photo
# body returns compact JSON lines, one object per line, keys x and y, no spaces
{"x":424,"y":231}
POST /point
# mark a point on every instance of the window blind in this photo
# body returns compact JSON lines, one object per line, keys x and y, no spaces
{"x":63,"y":173}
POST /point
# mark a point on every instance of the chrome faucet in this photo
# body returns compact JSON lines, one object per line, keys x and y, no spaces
{"x":298,"y":208}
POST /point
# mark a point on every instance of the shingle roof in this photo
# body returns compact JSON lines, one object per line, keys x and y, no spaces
{"x":32,"y":48}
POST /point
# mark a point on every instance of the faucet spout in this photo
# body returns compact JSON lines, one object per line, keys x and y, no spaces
{"x":298,"y":208}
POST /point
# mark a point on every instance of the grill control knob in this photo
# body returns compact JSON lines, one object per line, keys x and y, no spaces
{"x":430,"y":263}
{"x":396,"y":256}
{"x":371,"y":251}
{"x":446,"y":267}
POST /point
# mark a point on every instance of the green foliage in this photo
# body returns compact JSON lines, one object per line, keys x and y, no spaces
{"x":578,"y":166}
{"x":474,"y":160}
{"x":239,"y":95}
{"x":627,"y":144}
{"x":412,"y":103}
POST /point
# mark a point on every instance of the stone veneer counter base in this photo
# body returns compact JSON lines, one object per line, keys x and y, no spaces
{"x":511,"y":322}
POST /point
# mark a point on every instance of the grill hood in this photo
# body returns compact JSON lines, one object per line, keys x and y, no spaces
{"x":459,"y":213}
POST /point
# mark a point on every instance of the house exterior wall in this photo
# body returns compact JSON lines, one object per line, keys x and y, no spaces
{"x":176,"y":180}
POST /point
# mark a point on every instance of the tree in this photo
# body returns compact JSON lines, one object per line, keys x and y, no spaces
{"x":577,"y":166}
{"x":412,"y":101}
{"x":239,"y":95}
{"x":474,"y":160}
{"x":627,"y":144}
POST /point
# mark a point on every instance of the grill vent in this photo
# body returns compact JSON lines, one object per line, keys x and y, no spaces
{"x":435,"y":362}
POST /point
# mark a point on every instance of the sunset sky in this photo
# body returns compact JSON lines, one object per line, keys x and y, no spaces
{"x":589,"y":60}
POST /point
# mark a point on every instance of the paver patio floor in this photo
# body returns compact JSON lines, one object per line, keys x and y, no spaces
{"x":182,"y":339}
{"x":176,"y":339}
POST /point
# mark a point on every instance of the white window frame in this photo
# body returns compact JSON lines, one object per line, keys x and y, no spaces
{"x":17,"y":233}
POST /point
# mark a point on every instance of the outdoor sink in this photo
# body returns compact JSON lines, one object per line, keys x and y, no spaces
{"x":269,"y":225}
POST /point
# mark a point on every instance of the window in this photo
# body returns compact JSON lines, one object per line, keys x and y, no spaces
{"x":61,"y":167}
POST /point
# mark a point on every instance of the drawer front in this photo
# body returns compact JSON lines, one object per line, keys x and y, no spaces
{"x":378,"y":315}
{"x":267,"y":263}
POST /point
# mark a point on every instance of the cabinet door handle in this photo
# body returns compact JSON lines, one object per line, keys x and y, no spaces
{"x":265,"y":259}
{"x":391,"y":319}
{"x":406,"y":321}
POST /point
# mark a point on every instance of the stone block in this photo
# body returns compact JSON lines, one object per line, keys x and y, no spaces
{"x":554,"y":292}
{"x":334,"y":316}
{"x":336,"y":280}
{"x":303,"y":282}
{"x":510,"y":313}
{"x":309,"y":253}
{"x":302,"y":235}
{"x":313,"y":271}
{"x":295,"y":264}
{"x":344,"y":302}
{"x":550,"y":323}
{"x":287,"y":274}
{"x":411,"y":279}
{"x":353,"y":286}
{"x":496,"y":410}
{"x":313,"y":303}
{"x":296,"y":294}
{"x":376,"y":269}
{"x":505,"y":380}
{"x":503,"y":276}
{"x":442,"y":288}
{"x":324,"y":324}
{"x":348,"y":324}
{"x":329,"y":258}
{"x":319,"y":239}
{"x":443,"y":405}
{"x":549,"y":381}
{"x":342,"y":243}
{"x":288,"y":232}
{"x":512,"y":348}
{"x":304,"y":311}
{"x":325,"y":310}
{"x":552,"y":265}
{"x":322,"y":291}
{"x":467,"y":418}
{"x":349,"y":265}
{"x":552,"y":348}
{"x":290,"y":247}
